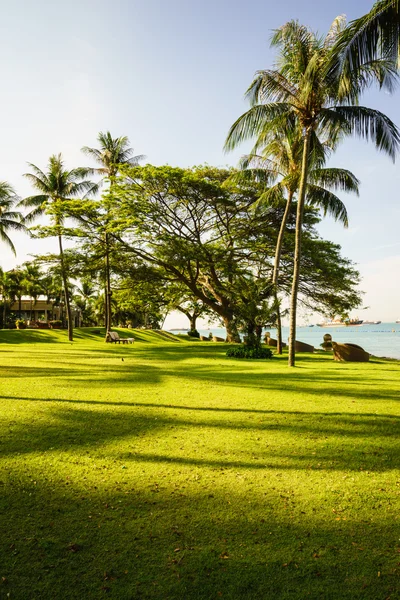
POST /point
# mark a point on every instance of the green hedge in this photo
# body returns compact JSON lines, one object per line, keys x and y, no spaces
{"x":246,"y":352}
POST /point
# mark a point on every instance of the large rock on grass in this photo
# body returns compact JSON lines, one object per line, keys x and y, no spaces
{"x":349,"y":353}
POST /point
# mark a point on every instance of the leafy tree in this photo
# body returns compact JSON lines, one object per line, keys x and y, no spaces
{"x":10,"y":220}
{"x":205,"y":237}
{"x":300,"y":91}
{"x":112,"y":153}
{"x":277,"y":163}
{"x":55,"y":186}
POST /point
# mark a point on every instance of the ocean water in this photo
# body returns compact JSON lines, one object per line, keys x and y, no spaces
{"x":380,"y":340}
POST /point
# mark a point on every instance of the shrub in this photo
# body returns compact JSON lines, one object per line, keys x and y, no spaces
{"x":247,"y":352}
{"x":193,"y":333}
{"x":55,"y":323}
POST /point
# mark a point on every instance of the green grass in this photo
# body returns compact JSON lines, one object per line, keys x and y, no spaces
{"x":165,"y":470}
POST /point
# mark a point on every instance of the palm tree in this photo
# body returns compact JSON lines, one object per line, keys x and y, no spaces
{"x":112,"y":154}
{"x":32,"y":282}
{"x":84,"y":299}
{"x":7,"y":290}
{"x":9,"y":218}
{"x":16,"y":287}
{"x":299,"y":91}
{"x":281,"y":158}
{"x":56,"y":186}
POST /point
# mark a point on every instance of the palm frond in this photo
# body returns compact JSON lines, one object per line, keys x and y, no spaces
{"x":254,"y":122}
{"x":4,"y":238}
{"x":370,"y":124}
{"x":271,"y":86}
{"x":335,"y":179}
{"x":272,"y":197}
{"x":328,"y":202}
{"x":374,"y":35}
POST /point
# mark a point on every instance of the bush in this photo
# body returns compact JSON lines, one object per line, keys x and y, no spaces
{"x":193,"y":333}
{"x":55,"y":323}
{"x":247,"y":352}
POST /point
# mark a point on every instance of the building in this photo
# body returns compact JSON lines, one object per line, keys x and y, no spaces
{"x":41,"y":310}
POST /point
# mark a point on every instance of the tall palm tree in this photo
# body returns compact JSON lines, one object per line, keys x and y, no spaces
{"x":111,"y":155}
{"x":55,"y":186}
{"x":10,"y":220}
{"x":299,"y":91}
{"x":281,"y":159}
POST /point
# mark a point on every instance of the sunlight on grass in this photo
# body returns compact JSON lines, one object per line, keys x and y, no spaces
{"x":166,"y":470}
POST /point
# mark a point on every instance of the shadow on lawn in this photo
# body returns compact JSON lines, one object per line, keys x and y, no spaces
{"x":348,"y":441}
{"x":124,"y":542}
{"x":130,"y":369}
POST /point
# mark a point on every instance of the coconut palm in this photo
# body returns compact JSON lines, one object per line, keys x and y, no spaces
{"x":8,"y":291}
{"x":32,"y":282}
{"x":298,"y":91}
{"x":281,"y":159}
{"x":10,"y":220}
{"x":84,"y":299}
{"x":111,"y":155}
{"x":56,"y":186}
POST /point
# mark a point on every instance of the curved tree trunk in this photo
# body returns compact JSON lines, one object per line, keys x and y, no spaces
{"x":275,"y":276}
{"x":232,"y":334}
{"x":66,"y":292}
{"x":297,"y":251}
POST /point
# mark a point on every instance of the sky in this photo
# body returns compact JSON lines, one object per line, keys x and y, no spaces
{"x":172,"y":76}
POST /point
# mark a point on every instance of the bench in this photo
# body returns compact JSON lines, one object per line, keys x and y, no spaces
{"x":114,"y":338}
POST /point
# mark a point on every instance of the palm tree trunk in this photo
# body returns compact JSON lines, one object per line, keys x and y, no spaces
{"x":108,"y":285}
{"x":297,"y":251}
{"x":66,"y":292}
{"x":275,"y":276}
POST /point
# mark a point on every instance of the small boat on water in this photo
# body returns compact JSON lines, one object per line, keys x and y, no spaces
{"x":398,"y":321}
{"x":372,"y":322}
{"x":340,"y":323}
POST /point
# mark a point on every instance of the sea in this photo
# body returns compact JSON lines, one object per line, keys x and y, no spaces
{"x":380,"y":340}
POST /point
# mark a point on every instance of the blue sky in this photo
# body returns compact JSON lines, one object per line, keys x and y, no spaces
{"x":171,"y":75}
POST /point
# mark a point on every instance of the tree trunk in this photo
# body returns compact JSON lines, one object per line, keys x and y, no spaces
{"x":275,"y":276}
{"x":4,"y":313}
{"x":297,"y":251}
{"x":108,"y":292}
{"x":193,"y":319}
{"x":66,"y":292}
{"x":105,"y":307}
{"x":232,"y":334}
{"x":19,"y":306}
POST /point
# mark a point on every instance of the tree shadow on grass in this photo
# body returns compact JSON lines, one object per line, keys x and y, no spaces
{"x":127,"y":542}
{"x":349,"y":441}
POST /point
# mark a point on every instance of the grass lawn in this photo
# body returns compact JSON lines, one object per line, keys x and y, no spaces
{"x":165,"y":470}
